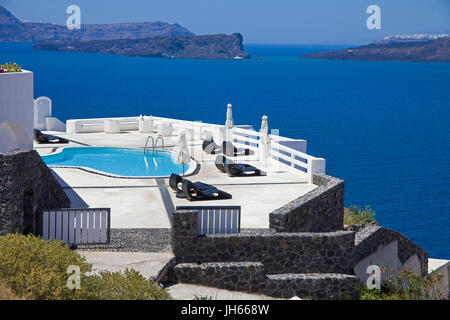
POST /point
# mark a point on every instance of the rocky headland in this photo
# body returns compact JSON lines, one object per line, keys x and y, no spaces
{"x":414,"y":50}
{"x":219,"y":46}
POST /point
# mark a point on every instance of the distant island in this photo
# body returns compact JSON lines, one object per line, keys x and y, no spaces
{"x":219,"y":46}
{"x":14,"y":30}
{"x":145,"y":39}
{"x":410,"y":48}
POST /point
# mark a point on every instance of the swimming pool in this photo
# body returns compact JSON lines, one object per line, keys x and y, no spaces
{"x":121,"y":162}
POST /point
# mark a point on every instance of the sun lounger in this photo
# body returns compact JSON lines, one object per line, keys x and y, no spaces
{"x":196,"y":190}
{"x":210,"y":147}
{"x":39,"y":137}
{"x":237,"y":169}
{"x":176,"y":182}
{"x":230,"y":150}
{"x":220,"y":162}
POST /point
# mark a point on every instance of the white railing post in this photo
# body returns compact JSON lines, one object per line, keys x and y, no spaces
{"x":293,"y":162}
{"x":317,"y":166}
{"x":275,"y":142}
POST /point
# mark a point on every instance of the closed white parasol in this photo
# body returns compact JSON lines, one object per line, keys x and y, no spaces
{"x":229,"y":123}
{"x":264,"y":145}
{"x":182,"y":155}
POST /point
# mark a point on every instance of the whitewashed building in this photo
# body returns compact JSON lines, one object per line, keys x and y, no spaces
{"x":16,"y":111}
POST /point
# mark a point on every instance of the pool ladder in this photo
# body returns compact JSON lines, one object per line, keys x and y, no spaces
{"x":154,"y":143}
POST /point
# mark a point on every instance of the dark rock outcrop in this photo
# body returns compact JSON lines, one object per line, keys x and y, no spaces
{"x":411,"y":51}
{"x":14,"y":30}
{"x":218,"y":46}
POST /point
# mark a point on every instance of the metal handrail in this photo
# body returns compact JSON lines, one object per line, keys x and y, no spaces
{"x":154,"y":143}
{"x":146,"y":143}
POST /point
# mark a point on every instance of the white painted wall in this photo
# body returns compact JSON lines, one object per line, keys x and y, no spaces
{"x":54,"y":124}
{"x":386,"y":256}
{"x":16,"y":111}
{"x":443,"y":267}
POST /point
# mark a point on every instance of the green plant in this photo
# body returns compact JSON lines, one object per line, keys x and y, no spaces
{"x":127,"y":285}
{"x":405,"y":285}
{"x":11,"y":67}
{"x":375,"y":294}
{"x":355,"y":215}
{"x":36,"y":269}
{"x":7,"y":294}
{"x":415,"y":286}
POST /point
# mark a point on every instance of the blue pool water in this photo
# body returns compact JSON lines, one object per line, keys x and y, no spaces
{"x":383,"y":127}
{"x":117,"y":161}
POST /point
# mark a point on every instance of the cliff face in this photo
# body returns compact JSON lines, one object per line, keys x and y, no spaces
{"x":218,"y":46}
{"x":13,"y":30}
{"x":411,"y":51}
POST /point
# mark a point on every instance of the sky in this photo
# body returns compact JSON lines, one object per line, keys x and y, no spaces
{"x":259,"y":21}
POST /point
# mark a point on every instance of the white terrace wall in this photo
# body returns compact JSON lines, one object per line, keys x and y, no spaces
{"x":386,"y":255}
{"x":16,"y":111}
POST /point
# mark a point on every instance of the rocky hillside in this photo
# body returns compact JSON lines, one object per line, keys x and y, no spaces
{"x":218,"y":46}
{"x":14,"y":30}
{"x":411,"y":51}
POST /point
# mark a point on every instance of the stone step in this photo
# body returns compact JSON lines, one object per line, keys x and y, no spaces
{"x":328,"y":286}
{"x":279,"y":252}
{"x":235,"y":276}
{"x":251,"y":277}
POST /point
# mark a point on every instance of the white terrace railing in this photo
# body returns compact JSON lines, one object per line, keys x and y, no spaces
{"x":287,"y":157}
{"x":288,"y":153}
{"x":131,"y":123}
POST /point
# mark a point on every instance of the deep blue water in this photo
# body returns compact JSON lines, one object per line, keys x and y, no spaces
{"x":382,"y":126}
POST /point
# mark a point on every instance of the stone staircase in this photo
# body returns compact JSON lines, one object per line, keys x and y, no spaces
{"x":317,"y":265}
{"x":251,"y":277}
{"x":305,"y":252}
{"x":312,"y":285}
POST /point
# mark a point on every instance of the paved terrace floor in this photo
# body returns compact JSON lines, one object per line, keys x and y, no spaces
{"x":138,"y":203}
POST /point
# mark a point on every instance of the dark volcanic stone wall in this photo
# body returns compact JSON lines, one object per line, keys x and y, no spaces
{"x":235,"y":276}
{"x":329,"y":286}
{"x":27,"y":187}
{"x":279,"y":252}
{"x":250,"y":277}
{"x":321,"y":210}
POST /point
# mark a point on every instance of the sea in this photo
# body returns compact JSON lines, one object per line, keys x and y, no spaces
{"x":383,"y":127}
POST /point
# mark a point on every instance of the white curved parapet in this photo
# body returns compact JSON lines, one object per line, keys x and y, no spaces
{"x":193,"y":128}
{"x":98,"y":124}
{"x":42,"y":111}
{"x":16,"y":111}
